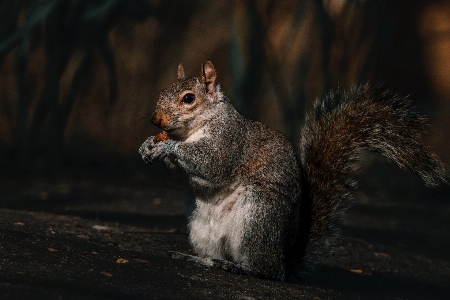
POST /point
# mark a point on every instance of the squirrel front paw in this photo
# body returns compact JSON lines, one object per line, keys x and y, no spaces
{"x":151,"y":151}
{"x":145,"y":149}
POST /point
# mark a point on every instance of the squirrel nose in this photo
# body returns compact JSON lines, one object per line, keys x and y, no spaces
{"x":160,"y":120}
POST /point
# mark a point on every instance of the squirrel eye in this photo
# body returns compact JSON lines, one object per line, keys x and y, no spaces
{"x":188,"y":98}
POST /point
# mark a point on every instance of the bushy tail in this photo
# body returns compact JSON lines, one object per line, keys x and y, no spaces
{"x":331,"y":141}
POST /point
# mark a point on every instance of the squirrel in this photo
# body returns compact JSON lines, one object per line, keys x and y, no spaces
{"x":260,"y":208}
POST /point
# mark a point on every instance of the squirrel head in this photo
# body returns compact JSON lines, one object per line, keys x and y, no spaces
{"x":188,"y":103}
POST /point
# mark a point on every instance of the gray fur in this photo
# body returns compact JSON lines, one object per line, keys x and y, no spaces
{"x":257,"y":206}
{"x":340,"y":127}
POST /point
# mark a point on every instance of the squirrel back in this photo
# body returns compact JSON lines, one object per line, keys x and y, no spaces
{"x":259,"y":208}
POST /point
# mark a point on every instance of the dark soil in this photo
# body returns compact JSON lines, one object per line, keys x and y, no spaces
{"x":104,"y":235}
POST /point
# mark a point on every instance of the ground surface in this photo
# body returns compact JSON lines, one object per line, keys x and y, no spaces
{"x":104,"y":235}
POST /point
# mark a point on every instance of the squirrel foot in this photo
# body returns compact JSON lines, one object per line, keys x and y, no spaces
{"x":214,"y":263}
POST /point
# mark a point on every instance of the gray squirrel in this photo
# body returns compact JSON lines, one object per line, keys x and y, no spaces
{"x":260,"y":208}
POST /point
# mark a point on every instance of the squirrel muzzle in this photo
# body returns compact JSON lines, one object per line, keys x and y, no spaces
{"x":161,"y":120}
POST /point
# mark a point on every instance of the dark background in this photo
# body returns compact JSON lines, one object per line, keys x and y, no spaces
{"x":79,"y":81}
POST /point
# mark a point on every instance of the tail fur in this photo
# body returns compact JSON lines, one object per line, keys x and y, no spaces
{"x":331,"y":142}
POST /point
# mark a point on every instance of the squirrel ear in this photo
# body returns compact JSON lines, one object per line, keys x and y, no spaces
{"x":208,"y":74}
{"x":180,"y":72}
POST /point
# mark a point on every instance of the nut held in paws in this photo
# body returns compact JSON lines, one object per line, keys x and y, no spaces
{"x":161,"y":137}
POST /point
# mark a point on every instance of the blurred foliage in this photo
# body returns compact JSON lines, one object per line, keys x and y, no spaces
{"x":253,"y":54}
{"x":273,"y":58}
{"x":70,"y":28}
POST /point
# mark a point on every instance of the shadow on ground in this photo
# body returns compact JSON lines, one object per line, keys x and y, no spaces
{"x":106,"y":236}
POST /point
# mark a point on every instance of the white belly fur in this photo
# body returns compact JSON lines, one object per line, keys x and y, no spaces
{"x":197,"y":135}
{"x":217,"y":225}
